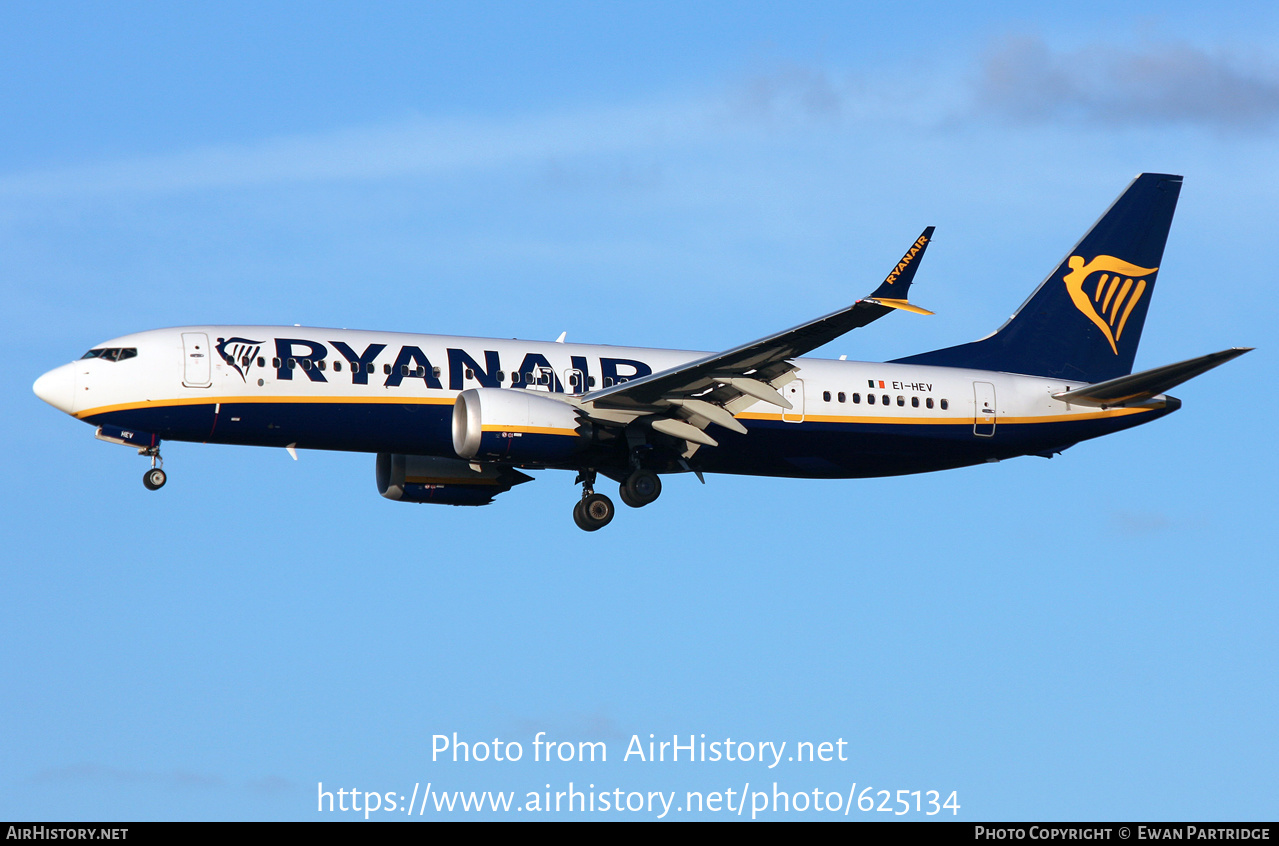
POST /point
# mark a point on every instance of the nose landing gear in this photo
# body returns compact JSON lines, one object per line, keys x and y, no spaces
{"x":154,"y":478}
{"x":146,"y":443}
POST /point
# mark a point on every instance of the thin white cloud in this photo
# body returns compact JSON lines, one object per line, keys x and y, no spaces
{"x":1022,"y":79}
{"x":96,"y":773}
{"x":410,"y":148}
{"x":1143,"y":523}
{"x":1026,"y":80}
{"x":791,"y":90}
{"x":790,"y":97}
{"x":183,"y":779}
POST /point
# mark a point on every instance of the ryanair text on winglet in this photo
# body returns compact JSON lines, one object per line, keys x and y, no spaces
{"x":906,"y":260}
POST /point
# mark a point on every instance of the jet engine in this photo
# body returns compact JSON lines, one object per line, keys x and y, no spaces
{"x":516,"y":425}
{"x":444,"y":481}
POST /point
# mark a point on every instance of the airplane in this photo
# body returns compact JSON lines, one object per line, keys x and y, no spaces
{"x":456,"y":420}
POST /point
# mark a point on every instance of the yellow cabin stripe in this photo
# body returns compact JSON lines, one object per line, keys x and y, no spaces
{"x":957,"y":421}
{"x":808,"y":418}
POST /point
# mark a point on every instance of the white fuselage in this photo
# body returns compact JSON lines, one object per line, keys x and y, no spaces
{"x":394,"y":392}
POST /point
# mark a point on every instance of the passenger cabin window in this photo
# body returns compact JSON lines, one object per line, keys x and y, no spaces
{"x":826,"y":396}
{"x":870,"y":398}
{"x":929,"y":402}
{"x":841,"y":396}
{"x":944,"y":405}
{"x":857,"y":398}
{"x":901,"y":400}
{"x":914,"y":402}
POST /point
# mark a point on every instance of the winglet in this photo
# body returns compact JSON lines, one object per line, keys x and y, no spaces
{"x":901,"y":304}
{"x":893,"y":290}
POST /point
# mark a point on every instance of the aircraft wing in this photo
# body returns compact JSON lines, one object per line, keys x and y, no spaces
{"x":682,"y":401}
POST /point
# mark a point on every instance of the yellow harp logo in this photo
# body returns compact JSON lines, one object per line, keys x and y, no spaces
{"x":1112,"y":298}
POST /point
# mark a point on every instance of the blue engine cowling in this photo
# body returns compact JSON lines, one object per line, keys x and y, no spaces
{"x":521,"y":426}
{"x":444,"y":481}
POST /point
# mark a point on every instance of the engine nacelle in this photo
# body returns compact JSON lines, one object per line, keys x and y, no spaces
{"x":445,"y":481}
{"x":515,"y":425}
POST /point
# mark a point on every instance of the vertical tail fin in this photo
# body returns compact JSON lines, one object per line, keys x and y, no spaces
{"x":1084,"y":321}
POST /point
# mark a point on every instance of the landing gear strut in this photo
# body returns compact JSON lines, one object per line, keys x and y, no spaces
{"x":154,"y":478}
{"x":641,"y":488}
{"x":594,"y":510}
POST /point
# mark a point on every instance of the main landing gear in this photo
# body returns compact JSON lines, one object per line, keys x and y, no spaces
{"x":594,"y":510}
{"x":154,"y":478}
{"x":641,"y":488}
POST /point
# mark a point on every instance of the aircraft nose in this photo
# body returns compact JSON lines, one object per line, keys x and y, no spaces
{"x":57,"y":387}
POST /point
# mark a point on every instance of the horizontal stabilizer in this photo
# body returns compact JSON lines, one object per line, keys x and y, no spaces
{"x":1139,"y":387}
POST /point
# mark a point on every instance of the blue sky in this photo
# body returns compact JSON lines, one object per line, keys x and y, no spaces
{"x":1090,"y":637}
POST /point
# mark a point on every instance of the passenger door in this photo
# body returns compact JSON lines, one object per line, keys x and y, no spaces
{"x":197,"y":365}
{"x":983,"y":409}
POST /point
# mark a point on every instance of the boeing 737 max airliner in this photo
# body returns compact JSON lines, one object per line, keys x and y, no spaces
{"x":455,"y":420}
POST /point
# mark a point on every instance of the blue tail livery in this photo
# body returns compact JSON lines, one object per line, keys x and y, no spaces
{"x":1084,"y":321}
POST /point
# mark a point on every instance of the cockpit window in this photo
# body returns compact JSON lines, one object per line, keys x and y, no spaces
{"x":112,"y":353}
